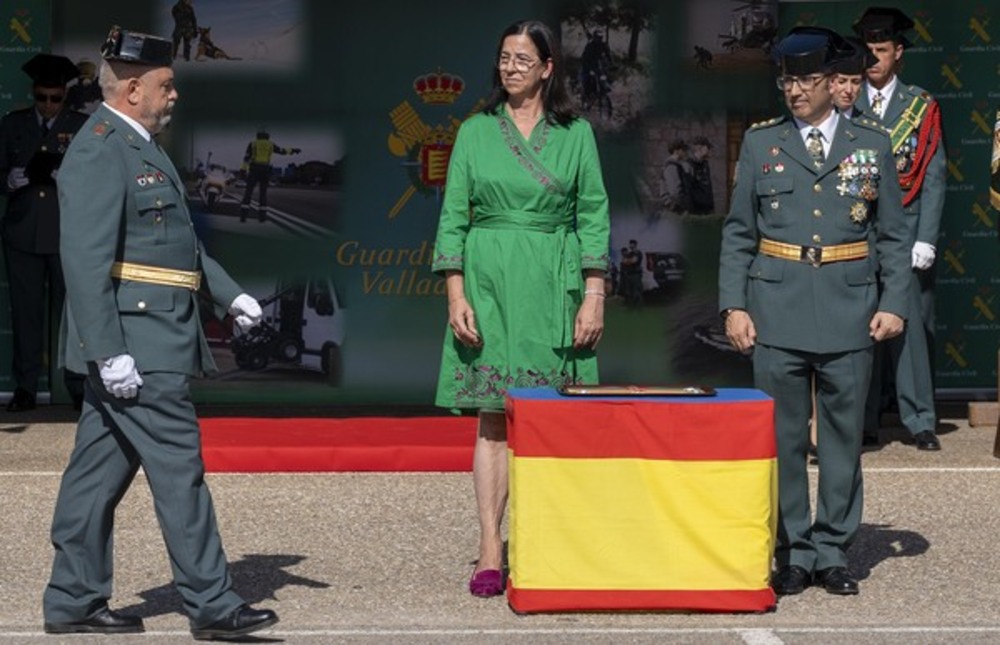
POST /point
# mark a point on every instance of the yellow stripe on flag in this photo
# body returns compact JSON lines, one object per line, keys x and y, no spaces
{"x":639,"y":524}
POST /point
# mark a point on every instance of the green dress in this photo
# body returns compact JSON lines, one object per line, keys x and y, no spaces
{"x":522,"y":220}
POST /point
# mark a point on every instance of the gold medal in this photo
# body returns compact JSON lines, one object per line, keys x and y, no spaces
{"x":859,"y":212}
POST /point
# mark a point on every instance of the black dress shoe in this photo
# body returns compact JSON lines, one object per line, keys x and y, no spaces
{"x":926,"y":440}
{"x":838,"y":581}
{"x":103,"y":622}
{"x":790,"y":580}
{"x":241,"y":621}
{"x":21,"y":401}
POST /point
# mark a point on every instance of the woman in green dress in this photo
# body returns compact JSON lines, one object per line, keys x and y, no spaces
{"x":523,"y":243}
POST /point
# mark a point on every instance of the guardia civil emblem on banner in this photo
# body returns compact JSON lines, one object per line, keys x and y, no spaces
{"x":426,"y":148}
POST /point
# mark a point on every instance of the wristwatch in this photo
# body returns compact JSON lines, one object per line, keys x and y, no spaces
{"x":725,"y":312}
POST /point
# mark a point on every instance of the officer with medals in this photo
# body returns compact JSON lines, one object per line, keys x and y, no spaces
{"x":815,"y":211}
{"x":133,"y":269}
{"x":32,"y":143}
{"x":913,"y":119}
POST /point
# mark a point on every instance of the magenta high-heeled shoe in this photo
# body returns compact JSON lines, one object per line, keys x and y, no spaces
{"x":487,"y":583}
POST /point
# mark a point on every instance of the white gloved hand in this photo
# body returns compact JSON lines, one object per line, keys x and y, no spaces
{"x":922,"y":255}
{"x":246,"y":312}
{"x":16,"y":178}
{"x":120,"y":376}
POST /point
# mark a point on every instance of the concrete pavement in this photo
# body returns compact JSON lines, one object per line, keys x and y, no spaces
{"x":379,"y":558}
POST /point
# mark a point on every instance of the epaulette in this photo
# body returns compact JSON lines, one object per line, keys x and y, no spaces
{"x":766,"y":124}
{"x":872,"y":124}
{"x":916,"y":90}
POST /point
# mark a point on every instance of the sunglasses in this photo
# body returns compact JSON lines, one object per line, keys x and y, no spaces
{"x":48,"y":98}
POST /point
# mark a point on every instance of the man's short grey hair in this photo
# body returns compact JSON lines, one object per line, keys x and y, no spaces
{"x":114,"y":73}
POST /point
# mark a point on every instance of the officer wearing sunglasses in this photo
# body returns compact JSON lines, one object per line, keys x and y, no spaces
{"x":32,"y":143}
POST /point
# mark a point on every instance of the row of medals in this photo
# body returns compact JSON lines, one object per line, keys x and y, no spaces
{"x":859,"y":178}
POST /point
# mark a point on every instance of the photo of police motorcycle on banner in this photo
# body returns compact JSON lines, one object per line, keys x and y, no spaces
{"x":276,"y":191}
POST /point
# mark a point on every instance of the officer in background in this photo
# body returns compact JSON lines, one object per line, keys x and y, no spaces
{"x":848,"y":77}
{"x":816,"y":210}
{"x":32,"y":143}
{"x":913,"y":118}
{"x":134,"y":268}
{"x":257,"y":162}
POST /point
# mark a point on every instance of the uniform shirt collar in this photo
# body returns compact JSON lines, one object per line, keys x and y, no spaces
{"x":886,"y":91}
{"x":826,"y":128}
{"x":43,"y":121}
{"x":143,"y":132}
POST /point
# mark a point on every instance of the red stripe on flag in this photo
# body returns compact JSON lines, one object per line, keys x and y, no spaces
{"x":540,"y":600}
{"x":636,"y":429}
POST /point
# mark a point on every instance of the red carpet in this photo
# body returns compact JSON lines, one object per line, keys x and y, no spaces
{"x":382,"y":444}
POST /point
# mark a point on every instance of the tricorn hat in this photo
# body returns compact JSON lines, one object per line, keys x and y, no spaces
{"x":883,"y":24}
{"x":48,"y":70}
{"x":809,"y":50}
{"x":855,"y":60}
{"x":141,"y":49}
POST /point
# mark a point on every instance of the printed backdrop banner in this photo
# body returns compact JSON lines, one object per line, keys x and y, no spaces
{"x":26,"y":28}
{"x":315,"y":137}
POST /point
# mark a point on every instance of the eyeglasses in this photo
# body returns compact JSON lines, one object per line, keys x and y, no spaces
{"x":806,"y":83}
{"x":48,"y":98}
{"x":520,"y":65}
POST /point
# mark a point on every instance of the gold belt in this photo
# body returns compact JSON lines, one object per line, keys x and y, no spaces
{"x":156,"y":275}
{"x":815,"y":255}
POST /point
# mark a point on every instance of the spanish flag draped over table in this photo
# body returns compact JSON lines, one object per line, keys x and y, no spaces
{"x":641,"y":503}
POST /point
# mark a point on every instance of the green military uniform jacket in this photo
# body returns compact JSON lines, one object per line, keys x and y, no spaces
{"x":924,"y":212}
{"x":122,"y":200}
{"x":780,"y":195}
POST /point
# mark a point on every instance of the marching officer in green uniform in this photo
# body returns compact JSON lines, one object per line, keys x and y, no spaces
{"x":913,"y":119}
{"x":815,"y":212}
{"x":32,"y":144}
{"x":133,"y":269}
{"x":257,"y":163}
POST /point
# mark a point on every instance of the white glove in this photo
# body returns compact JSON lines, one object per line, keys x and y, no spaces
{"x":16,"y":178}
{"x":120,"y":376}
{"x":246,"y":312}
{"x":922,"y":255}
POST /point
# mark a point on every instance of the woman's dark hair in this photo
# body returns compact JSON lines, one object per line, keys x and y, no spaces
{"x":555,"y":100}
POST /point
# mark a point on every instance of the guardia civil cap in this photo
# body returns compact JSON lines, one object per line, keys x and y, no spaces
{"x":854,"y":60}
{"x":883,"y":24}
{"x":141,"y":49}
{"x":809,"y":50}
{"x":48,"y":70}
